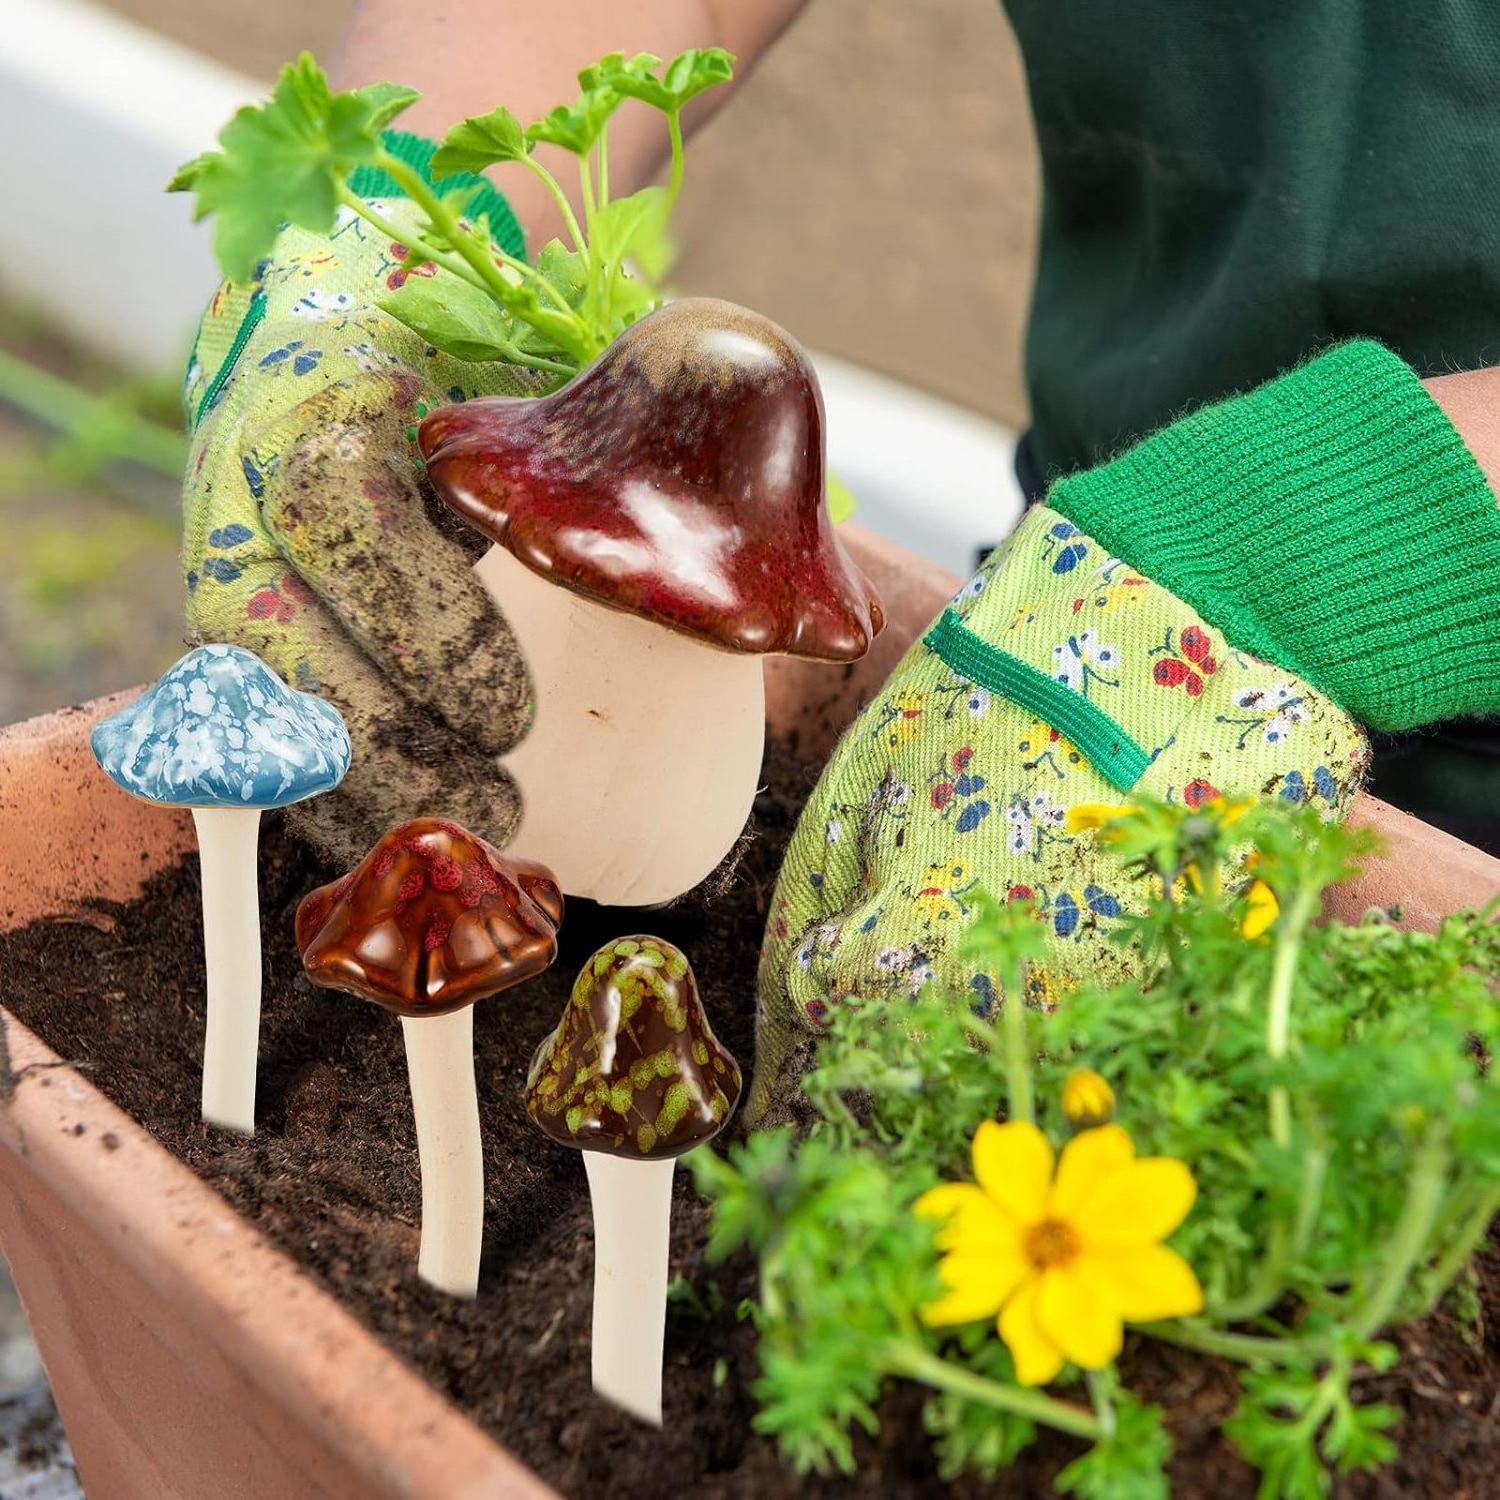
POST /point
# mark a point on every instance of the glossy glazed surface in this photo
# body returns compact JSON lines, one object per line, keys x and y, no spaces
{"x":679,"y":477}
{"x":432,"y":919}
{"x":633,"y":1067}
{"x":220,"y":729}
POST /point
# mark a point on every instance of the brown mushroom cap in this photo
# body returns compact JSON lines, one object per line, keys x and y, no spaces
{"x":633,"y":1068}
{"x":679,"y":477}
{"x":432,"y":919}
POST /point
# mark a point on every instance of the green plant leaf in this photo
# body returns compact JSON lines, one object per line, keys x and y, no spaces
{"x":565,"y":269}
{"x":185,"y":178}
{"x":686,"y":76}
{"x":576,"y":126}
{"x":480,"y":142}
{"x":457,"y":318}
{"x":619,"y":226}
{"x":284,"y":160}
{"x":386,"y":101}
{"x":1130,"y":1465}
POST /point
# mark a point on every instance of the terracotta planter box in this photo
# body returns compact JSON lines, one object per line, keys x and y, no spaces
{"x":190,"y":1359}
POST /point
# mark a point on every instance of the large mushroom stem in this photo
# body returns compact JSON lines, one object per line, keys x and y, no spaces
{"x":640,"y":767}
{"x":632,"y":1202}
{"x":440,"y":1063}
{"x":227,"y":841}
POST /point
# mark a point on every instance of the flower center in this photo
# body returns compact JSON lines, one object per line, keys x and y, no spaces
{"x":1051,"y":1243}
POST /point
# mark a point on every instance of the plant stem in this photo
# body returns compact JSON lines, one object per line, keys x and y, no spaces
{"x":917,"y":1363}
{"x":1019,"y":1104}
{"x":62,"y":404}
{"x":1101,"y":1384}
{"x":408,"y":237}
{"x":1279,"y":1004}
{"x":1247,"y":1348}
{"x":1463,"y":1245}
{"x":1424,"y":1194}
{"x":1284,"y":1244}
{"x":554,"y":187}
{"x":674,"y":184}
{"x":478,"y":257}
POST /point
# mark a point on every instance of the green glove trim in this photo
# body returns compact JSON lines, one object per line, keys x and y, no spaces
{"x":488,"y":203}
{"x":253,"y":314}
{"x":1105,"y":745}
{"x":1331,"y":521}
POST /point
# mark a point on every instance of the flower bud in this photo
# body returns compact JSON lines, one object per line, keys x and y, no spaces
{"x":1087,"y":1100}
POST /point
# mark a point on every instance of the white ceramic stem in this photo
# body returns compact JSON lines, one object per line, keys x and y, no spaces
{"x":632,"y":1231}
{"x":227,"y":839}
{"x":440,"y":1063}
{"x":641,"y":762}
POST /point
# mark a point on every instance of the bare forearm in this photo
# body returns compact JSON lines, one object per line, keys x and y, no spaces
{"x":1471,"y":402}
{"x":474,"y":54}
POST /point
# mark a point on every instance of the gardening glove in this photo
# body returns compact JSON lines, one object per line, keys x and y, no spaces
{"x":310,"y":538}
{"x":1206,"y":617}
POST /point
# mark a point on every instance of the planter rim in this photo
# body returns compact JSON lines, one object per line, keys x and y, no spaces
{"x":188,"y":1244}
{"x":292,"y":1340}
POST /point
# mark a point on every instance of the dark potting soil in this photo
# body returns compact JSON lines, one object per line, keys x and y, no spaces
{"x":331,"y":1177}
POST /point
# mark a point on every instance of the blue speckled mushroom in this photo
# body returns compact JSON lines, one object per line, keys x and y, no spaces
{"x":221,"y":729}
{"x":222,"y":734}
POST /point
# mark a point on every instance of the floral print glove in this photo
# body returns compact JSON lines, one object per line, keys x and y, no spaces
{"x":1059,"y":676}
{"x":310,"y":539}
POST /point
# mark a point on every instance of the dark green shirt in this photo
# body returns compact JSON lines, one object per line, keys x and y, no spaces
{"x":1231,"y":184}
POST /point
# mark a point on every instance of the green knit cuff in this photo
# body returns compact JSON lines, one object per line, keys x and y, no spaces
{"x":485,"y":204}
{"x":1331,"y":521}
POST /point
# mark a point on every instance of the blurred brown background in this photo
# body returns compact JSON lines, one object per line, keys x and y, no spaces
{"x":873,"y":187}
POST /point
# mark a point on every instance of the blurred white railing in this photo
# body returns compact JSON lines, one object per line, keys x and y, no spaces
{"x":95,"y":115}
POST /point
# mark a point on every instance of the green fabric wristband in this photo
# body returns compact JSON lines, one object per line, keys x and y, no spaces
{"x":1331,"y":521}
{"x":485,"y":203}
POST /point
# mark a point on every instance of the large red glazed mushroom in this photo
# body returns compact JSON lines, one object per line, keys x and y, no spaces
{"x":430,"y":921}
{"x":661,"y":525}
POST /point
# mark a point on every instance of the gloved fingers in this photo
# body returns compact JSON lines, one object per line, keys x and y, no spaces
{"x":407,"y":762}
{"x":346,"y":509}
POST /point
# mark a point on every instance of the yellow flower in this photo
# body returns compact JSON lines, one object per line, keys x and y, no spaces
{"x":1261,"y":909}
{"x":1087,"y":1099}
{"x":1064,"y":1257}
{"x":1083,"y":816}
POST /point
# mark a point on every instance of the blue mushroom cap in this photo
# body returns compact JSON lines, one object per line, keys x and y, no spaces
{"x":221,"y":729}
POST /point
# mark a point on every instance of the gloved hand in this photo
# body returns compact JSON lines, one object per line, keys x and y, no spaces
{"x":1063,"y":675}
{"x":310,"y":539}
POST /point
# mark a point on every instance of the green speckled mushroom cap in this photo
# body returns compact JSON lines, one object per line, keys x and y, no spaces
{"x":633,"y":1068}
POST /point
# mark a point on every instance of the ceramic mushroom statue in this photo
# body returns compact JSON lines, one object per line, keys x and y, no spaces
{"x":662,"y":525}
{"x":220,"y":733}
{"x":430,"y":921}
{"x":633,"y":1076}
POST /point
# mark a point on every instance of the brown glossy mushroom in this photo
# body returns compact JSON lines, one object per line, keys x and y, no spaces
{"x":675,"y":491}
{"x":430,"y":921}
{"x":633,"y":1077}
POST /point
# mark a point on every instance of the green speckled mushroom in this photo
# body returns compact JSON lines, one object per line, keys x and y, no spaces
{"x":633,"y":1077}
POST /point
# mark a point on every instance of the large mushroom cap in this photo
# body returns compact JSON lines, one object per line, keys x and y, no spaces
{"x":633,"y":1068}
{"x":432,"y":919}
{"x":679,"y":477}
{"x":220,"y":729}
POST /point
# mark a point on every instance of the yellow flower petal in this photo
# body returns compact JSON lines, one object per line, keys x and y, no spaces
{"x":1142,"y":1284}
{"x":1142,"y":1202}
{"x":1013,"y":1163}
{"x":975,"y":1221}
{"x":1077,"y":1320}
{"x":1261,"y":910}
{"x":1088,"y":1160}
{"x":1037,"y":1358}
{"x":1083,"y":816}
{"x":977,"y":1284}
